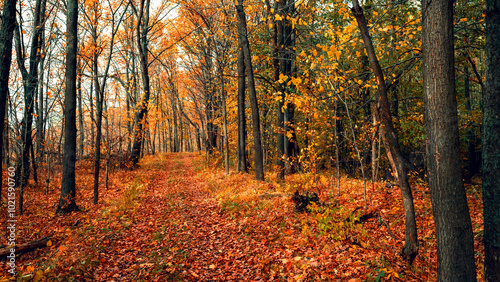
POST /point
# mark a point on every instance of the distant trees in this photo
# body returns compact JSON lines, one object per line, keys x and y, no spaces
{"x":93,"y":17}
{"x":455,"y":243}
{"x":164,"y":83}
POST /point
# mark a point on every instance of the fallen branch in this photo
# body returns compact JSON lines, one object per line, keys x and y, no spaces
{"x":381,"y":220}
{"x":25,"y":248}
{"x":269,"y":196}
{"x":362,"y":218}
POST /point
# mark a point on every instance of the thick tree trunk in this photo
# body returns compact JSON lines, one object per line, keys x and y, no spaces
{"x":242,"y":30}
{"x":491,"y":146}
{"x":390,"y":140}
{"x":242,"y":131}
{"x":67,"y":201}
{"x":6,"y":36}
{"x":455,"y":243}
{"x":142,"y":106}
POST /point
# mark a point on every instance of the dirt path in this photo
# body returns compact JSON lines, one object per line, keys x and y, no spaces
{"x":180,"y":233}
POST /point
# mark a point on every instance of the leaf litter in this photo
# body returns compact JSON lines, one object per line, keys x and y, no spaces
{"x":177,"y":219}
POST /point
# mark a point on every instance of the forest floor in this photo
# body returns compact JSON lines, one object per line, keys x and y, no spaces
{"x":178,"y":219}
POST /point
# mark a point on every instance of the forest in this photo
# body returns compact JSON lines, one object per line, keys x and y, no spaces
{"x":239,"y":140}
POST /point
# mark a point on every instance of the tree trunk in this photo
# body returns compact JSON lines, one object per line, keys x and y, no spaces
{"x":80,"y":111}
{"x":100,"y":88}
{"x":243,"y":36}
{"x":6,"y":36}
{"x":30,"y":83}
{"x":40,"y":122}
{"x":390,"y":140}
{"x":67,"y":202}
{"x":97,"y":153}
{"x":491,"y":146}
{"x":224,"y":120}
{"x":455,"y":243}
{"x":280,"y":161}
{"x":142,"y":41}
{"x":286,"y":51}
{"x":242,"y":132}
{"x":26,"y":247}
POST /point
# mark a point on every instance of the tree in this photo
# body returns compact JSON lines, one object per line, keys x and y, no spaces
{"x":491,"y":146}
{"x":93,"y":16}
{"x":30,"y":83}
{"x":67,"y":201}
{"x":142,"y":106}
{"x":286,"y":116}
{"x":243,"y":36}
{"x":242,"y":131}
{"x":390,"y":140}
{"x":455,"y":243}
{"x":6,"y":35}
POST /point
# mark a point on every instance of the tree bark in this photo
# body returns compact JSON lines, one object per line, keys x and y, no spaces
{"x":243,"y":36}
{"x":286,"y":53}
{"x":142,"y":106}
{"x":67,"y":201}
{"x":99,"y":96}
{"x":242,"y":132}
{"x":491,"y":146}
{"x":224,"y":120}
{"x":26,"y":247}
{"x":6,"y":38}
{"x":80,"y":111}
{"x":455,"y":243}
{"x":390,"y":140}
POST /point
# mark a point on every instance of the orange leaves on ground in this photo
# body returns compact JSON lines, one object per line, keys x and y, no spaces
{"x":174,"y":219}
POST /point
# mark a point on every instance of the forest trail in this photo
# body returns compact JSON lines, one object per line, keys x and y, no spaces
{"x":182,"y":233}
{"x":178,"y":218}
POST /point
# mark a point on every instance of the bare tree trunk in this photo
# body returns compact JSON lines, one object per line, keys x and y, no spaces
{"x":80,"y":111}
{"x":6,"y":35}
{"x":390,"y":139}
{"x":242,"y":30}
{"x":224,"y":120}
{"x":100,"y":88}
{"x":242,"y":131}
{"x":491,"y":146}
{"x":67,"y":201}
{"x":99,"y":97}
{"x":455,"y":241}
{"x":142,"y":106}
{"x":30,"y":83}
{"x":40,"y":122}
